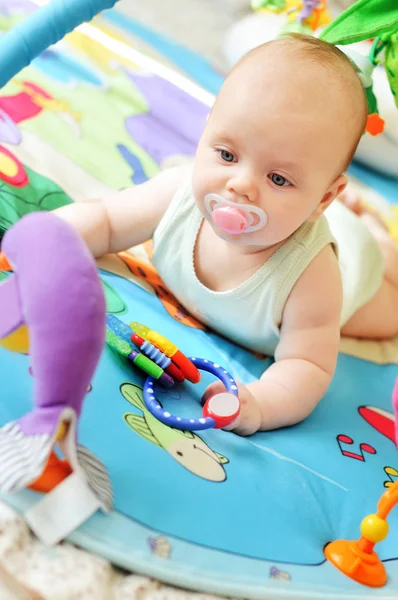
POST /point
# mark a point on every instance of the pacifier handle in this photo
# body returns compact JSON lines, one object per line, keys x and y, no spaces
{"x":230,"y":219}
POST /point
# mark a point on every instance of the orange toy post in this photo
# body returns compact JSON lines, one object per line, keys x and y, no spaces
{"x":357,"y":559}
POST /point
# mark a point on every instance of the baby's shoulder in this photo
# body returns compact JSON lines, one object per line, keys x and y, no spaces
{"x":323,"y":270}
{"x":320,"y":285}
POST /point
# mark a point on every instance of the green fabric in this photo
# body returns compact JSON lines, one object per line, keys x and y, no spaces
{"x":271,"y":4}
{"x":372,"y":102}
{"x":391,"y":65}
{"x":39,"y":194}
{"x":363,"y":20}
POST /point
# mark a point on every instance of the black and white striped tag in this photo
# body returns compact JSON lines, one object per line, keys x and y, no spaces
{"x":22,"y":457}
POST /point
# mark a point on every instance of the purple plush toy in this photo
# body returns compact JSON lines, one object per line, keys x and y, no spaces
{"x":56,"y":292}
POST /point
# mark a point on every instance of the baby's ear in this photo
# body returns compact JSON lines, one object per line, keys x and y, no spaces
{"x":334,"y":190}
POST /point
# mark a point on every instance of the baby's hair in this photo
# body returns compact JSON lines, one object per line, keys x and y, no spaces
{"x":316,"y":48}
{"x":331,"y":59}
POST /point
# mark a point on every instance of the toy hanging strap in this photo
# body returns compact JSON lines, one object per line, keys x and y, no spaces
{"x":43,"y":28}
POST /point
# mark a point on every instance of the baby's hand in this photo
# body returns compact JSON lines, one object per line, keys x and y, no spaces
{"x":249,"y":419}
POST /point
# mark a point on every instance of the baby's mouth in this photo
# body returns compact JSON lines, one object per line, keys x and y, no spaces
{"x":234,"y":218}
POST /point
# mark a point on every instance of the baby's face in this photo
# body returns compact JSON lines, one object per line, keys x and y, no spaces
{"x":278,"y":147}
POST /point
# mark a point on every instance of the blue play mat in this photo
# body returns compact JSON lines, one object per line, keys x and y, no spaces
{"x":217,"y":512}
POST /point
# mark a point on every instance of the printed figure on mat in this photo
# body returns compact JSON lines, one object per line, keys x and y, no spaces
{"x":186,"y":447}
{"x":251,"y":241}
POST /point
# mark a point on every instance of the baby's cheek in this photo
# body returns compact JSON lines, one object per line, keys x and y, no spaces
{"x":284,"y":222}
{"x":200,"y":190}
{"x":199,"y":185}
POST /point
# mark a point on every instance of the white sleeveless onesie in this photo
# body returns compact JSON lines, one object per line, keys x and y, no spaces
{"x":251,"y":314}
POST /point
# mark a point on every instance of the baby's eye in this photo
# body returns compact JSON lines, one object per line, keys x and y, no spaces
{"x":227,"y":156}
{"x":279,"y":180}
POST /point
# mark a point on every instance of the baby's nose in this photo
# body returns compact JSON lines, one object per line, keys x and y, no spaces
{"x":244,"y":186}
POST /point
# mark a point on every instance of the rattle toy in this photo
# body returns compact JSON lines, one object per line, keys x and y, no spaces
{"x":119,"y":336}
{"x":139,"y":360}
{"x":124,"y":332}
{"x":119,"y":328}
{"x":169,"y":349}
{"x":158,"y":357}
{"x":219,"y":411}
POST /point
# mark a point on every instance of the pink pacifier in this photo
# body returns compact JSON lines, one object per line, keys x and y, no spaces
{"x":234,"y":218}
{"x":229,"y":219}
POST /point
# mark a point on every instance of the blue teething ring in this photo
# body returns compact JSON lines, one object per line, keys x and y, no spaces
{"x":204,"y":422}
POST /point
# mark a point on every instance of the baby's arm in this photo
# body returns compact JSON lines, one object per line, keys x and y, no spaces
{"x":126,"y":218}
{"x":306,"y":356}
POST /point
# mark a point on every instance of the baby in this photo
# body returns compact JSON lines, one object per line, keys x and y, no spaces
{"x":249,"y":239}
